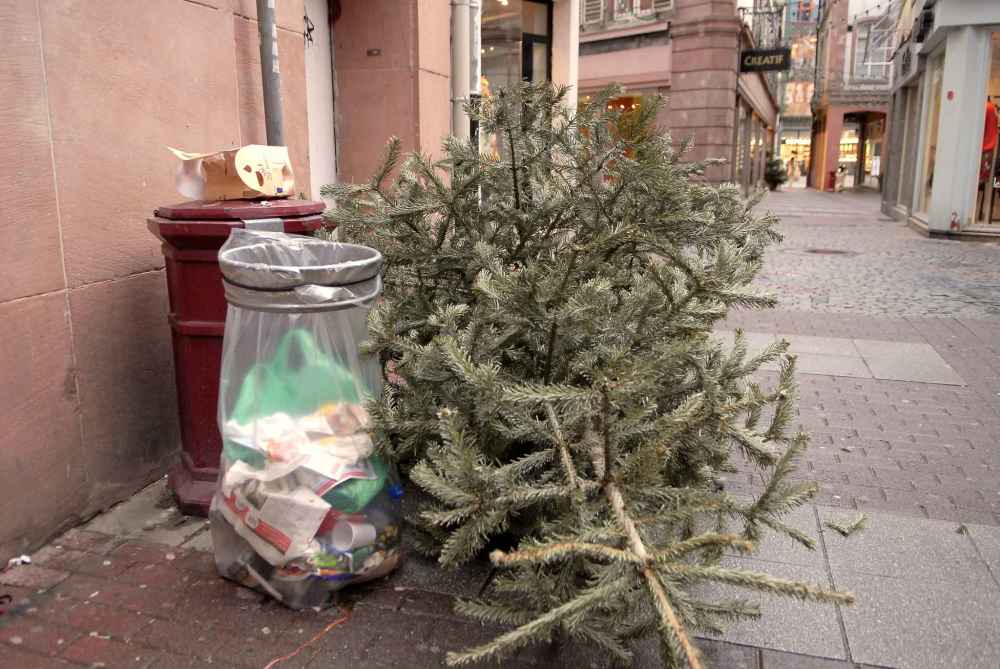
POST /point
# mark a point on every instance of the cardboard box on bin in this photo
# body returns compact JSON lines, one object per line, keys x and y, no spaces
{"x":244,"y":173}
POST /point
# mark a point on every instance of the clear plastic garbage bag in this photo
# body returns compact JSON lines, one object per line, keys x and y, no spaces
{"x":303,"y":506}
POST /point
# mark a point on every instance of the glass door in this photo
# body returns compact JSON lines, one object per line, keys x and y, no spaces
{"x":536,"y":44}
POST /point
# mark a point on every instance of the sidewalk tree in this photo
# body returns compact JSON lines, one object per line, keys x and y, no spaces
{"x":774,"y":173}
{"x":551,"y":379}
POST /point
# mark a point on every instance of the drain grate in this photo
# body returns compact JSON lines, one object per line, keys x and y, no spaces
{"x":831,"y":252}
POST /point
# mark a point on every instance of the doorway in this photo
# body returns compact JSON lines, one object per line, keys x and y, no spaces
{"x":320,"y":94}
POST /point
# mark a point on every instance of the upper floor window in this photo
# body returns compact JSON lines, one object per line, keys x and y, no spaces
{"x":606,"y":11}
{"x":872,"y":51}
{"x":803,"y":10}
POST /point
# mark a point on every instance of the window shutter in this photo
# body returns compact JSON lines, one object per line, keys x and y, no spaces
{"x":593,"y":11}
{"x":662,"y":5}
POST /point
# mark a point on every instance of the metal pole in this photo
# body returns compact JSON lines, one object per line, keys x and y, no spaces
{"x":269,"y":73}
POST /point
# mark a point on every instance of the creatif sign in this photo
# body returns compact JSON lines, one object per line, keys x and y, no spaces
{"x":766,"y":60}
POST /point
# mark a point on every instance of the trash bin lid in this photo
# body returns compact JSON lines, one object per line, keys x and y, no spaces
{"x":239,"y":210}
{"x":274,"y":271}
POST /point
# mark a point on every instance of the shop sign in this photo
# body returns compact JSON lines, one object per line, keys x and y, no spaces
{"x":766,"y":60}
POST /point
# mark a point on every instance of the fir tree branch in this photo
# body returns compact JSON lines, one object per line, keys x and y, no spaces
{"x":564,"y":454}
{"x":562,"y":551}
{"x":551,"y":346}
{"x":513,"y":170}
{"x":706,"y":540}
{"x":756,"y":580}
{"x":605,"y":437}
{"x":669,"y":617}
{"x":545,"y":623}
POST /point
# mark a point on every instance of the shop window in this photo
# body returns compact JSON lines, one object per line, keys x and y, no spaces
{"x":988,"y":188}
{"x":739,"y":157}
{"x":756,"y":148}
{"x":930,"y":131}
{"x":516,"y":43}
{"x":795,"y":147}
{"x":872,"y":169}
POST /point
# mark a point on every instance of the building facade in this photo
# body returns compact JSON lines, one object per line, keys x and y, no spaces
{"x":91,"y":414}
{"x":688,"y":51}
{"x":851,"y":96}
{"x":797,"y":86}
{"x":946,"y":181}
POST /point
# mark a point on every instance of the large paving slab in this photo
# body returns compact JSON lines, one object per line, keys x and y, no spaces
{"x":987,"y":541}
{"x":816,"y":355}
{"x":832,"y":365}
{"x":785,"y":624}
{"x":925,"y":598}
{"x":856,"y":358}
{"x":900,"y":547}
{"x":808,"y":344}
{"x":774,"y":547}
{"x":901,"y":361}
{"x":922,"y":623}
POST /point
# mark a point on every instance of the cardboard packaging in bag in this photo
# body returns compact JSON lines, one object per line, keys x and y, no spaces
{"x":244,"y":173}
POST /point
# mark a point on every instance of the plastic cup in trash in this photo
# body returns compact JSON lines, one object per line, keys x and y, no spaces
{"x":348,"y":536}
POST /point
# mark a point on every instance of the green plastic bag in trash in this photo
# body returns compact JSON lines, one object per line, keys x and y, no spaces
{"x":298,"y":380}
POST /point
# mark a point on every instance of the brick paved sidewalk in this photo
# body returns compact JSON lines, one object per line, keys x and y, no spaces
{"x":917,"y":448}
{"x":927,"y":597}
{"x":95,"y":600}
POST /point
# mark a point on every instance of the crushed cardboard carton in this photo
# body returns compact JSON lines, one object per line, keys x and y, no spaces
{"x":252,"y":171}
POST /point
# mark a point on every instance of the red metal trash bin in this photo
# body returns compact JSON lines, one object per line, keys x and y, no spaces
{"x":192,"y":234}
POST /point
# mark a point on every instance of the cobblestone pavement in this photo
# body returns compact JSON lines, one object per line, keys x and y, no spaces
{"x":916,"y":448}
{"x":841,"y":255}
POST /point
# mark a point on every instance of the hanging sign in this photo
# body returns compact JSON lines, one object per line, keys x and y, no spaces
{"x":766,"y":60}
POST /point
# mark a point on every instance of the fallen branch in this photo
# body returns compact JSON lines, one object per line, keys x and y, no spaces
{"x":847,"y":529}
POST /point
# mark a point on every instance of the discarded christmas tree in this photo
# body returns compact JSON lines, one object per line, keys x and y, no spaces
{"x":552,"y":382}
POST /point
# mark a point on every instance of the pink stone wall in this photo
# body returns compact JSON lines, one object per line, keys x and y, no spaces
{"x":705,"y":40}
{"x":634,"y":68}
{"x":89,"y":412}
{"x":392,"y":59}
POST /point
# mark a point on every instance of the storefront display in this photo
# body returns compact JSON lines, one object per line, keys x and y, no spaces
{"x":987,"y":211}
{"x":873,"y":134}
{"x":930,"y":132}
{"x":941,"y":151}
{"x":795,"y":147}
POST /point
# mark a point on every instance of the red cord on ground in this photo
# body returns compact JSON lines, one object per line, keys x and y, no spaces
{"x":342,"y":619}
